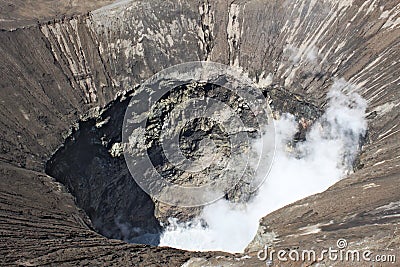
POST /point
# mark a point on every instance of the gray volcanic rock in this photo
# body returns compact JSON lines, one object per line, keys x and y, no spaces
{"x":57,"y":73}
{"x":20,"y":13}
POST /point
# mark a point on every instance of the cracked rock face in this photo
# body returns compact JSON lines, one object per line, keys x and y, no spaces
{"x":62,"y":78}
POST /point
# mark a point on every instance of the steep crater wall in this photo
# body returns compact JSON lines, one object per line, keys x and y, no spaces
{"x":57,"y":73}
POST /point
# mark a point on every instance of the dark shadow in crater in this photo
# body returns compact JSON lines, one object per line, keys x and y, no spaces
{"x":101,"y":182}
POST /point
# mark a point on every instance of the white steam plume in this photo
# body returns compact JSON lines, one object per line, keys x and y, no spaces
{"x":310,"y":167}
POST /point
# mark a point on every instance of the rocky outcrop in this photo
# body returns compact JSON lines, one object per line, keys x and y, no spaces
{"x":57,"y":73}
